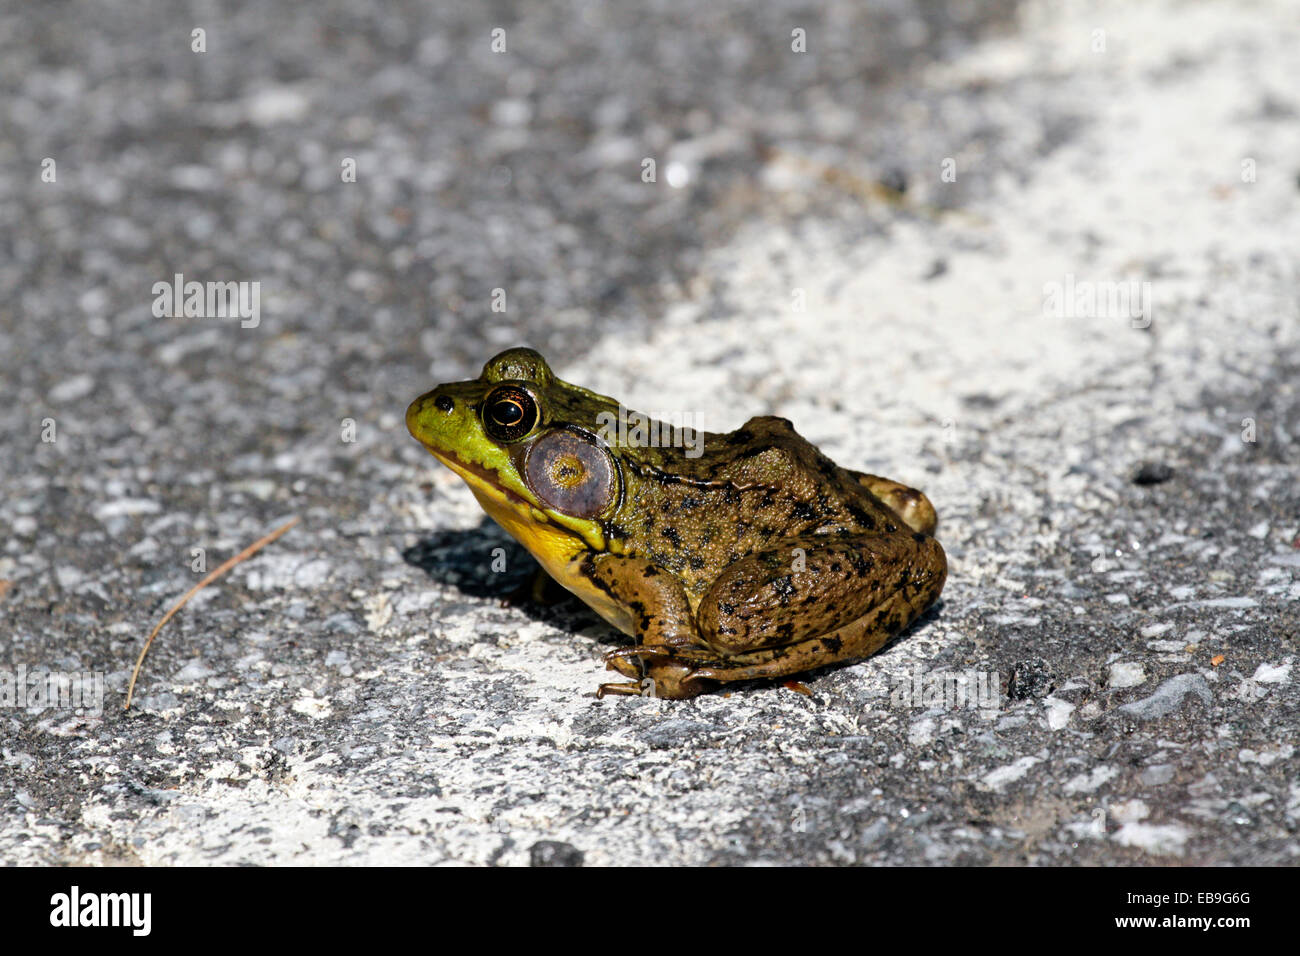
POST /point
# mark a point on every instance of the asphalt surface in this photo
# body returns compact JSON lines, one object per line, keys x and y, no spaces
{"x":1116,"y":482}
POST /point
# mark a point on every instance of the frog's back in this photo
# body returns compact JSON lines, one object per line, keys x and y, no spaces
{"x":744,"y":492}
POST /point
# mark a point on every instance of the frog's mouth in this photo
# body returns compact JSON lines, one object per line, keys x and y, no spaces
{"x":549,"y":541}
{"x":481,"y":480}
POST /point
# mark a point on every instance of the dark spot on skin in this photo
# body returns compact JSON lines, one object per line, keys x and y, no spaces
{"x":890,"y":528}
{"x":861,"y":517}
{"x":726,"y":608}
{"x":918,"y":537}
{"x":670,"y":561}
{"x":803,"y":510}
{"x":672,"y":535}
{"x":590,"y":573}
{"x":835,"y":567}
{"x":444,"y":403}
{"x":785,"y":630}
{"x":638,"y":607}
{"x":688,"y":503}
{"x":832,"y":644}
{"x":650,"y":572}
{"x":861,"y":563}
{"x":784,"y":588}
{"x":696,"y":562}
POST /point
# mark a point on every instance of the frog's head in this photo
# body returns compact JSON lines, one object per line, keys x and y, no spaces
{"x":528,"y":446}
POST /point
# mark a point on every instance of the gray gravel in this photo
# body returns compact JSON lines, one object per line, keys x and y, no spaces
{"x":1125,"y":566}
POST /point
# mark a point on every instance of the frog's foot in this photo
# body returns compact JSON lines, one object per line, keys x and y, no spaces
{"x":632,"y":688}
{"x":659,"y":671}
{"x":674,"y":683}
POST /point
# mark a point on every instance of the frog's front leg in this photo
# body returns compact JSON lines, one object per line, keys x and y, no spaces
{"x":659,"y":617}
{"x":815,"y":600}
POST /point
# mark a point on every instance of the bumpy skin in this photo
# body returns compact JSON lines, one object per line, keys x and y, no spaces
{"x":759,"y":558}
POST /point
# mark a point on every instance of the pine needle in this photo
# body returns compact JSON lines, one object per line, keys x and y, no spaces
{"x":244,"y":555}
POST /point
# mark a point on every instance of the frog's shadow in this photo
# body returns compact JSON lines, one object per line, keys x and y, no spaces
{"x":468,"y":561}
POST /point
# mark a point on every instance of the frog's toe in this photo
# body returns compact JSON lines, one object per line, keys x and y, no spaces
{"x":625,"y":664}
{"x":634,"y":688}
{"x":666,"y":687}
{"x":632,"y":661}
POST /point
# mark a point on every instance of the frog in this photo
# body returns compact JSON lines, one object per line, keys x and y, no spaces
{"x":740,"y":556}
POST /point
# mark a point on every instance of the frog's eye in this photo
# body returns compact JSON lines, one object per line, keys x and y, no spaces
{"x":510,"y":413}
{"x":571,"y":473}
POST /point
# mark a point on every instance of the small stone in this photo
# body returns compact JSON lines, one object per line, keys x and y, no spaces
{"x":1058,"y":712}
{"x":554,"y":853}
{"x":1157,"y":774}
{"x":1125,"y":674}
{"x":275,"y":105}
{"x":193,"y":671}
{"x":1152,"y":473}
{"x":1169,"y":697}
{"x":1272,"y":673}
{"x":71,"y":389}
{"x":895,"y":180}
{"x":1031,"y":678}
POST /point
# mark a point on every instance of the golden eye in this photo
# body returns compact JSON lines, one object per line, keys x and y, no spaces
{"x":510,"y":413}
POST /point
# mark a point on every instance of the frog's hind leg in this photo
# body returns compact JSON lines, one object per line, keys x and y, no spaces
{"x":815,"y":584}
{"x":857,"y":640}
{"x":908,"y":503}
{"x":842,"y":598}
{"x":811,"y":601}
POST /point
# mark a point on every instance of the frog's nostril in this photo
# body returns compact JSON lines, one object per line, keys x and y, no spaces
{"x":445,"y":403}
